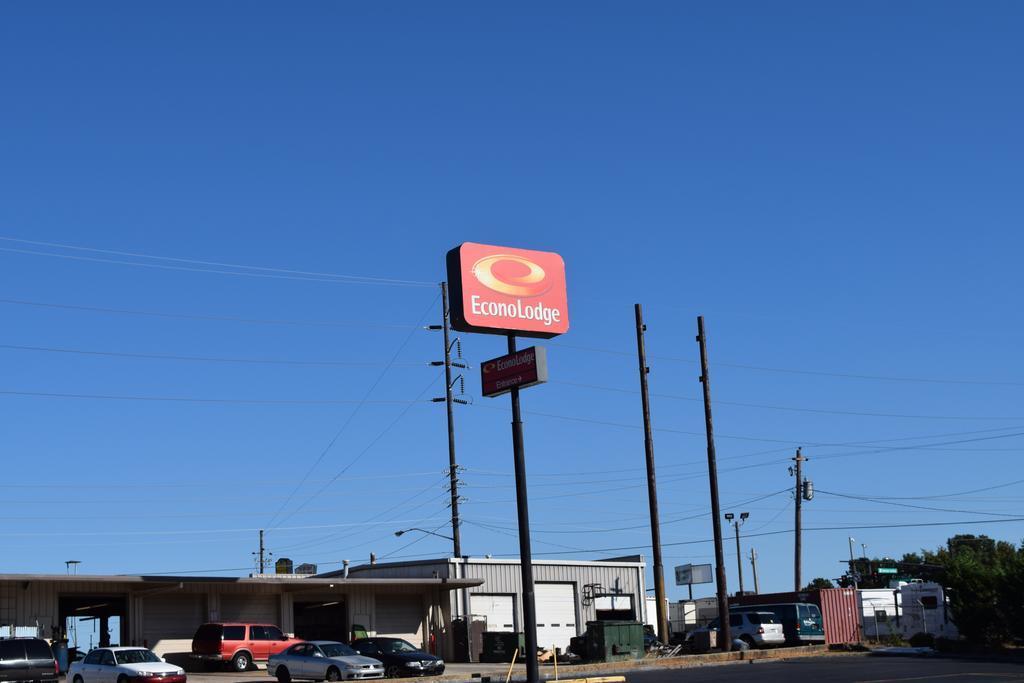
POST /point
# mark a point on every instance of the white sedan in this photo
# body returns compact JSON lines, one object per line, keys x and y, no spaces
{"x":322,"y":660}
{"x":124,"y":665}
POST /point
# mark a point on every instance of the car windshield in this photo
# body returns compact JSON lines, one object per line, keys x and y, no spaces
{"x":761,"y":618}
{"x":397,"y":646}
{"x":337,"y":650}
{"x":135,"y":656}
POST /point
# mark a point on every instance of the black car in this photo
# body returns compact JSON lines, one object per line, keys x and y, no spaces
{"x":27,"y":659}
{"x":400,"y":657}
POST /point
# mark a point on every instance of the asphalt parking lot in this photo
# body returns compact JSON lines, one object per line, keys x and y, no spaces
{"x":855,"y":669}
{"x":834,"y":669}
{"x":451,"y":669}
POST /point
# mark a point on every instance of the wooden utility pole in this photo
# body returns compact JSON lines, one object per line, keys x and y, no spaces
{"x":262,"y":556}
{"x":753,"y":566}
{"x":453,"y":471}
{"x":723,"y":592}
{"x":798,"y":522}
{"x":652,"y":486}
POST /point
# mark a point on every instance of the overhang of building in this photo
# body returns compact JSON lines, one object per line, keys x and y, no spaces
{"x":286,"y":585}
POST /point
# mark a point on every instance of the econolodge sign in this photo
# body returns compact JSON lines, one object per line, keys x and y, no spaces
{"x":502,"y":290}
{"x":517,"y":370}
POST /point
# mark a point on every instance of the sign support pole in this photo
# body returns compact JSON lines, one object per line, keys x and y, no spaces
{"x":525,"y":553}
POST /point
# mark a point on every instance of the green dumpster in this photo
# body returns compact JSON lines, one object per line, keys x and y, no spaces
{"x":614,"y":641}
{"x":499,"y":646}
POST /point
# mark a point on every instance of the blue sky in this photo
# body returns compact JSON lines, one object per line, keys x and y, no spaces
{"x":836,"y":188}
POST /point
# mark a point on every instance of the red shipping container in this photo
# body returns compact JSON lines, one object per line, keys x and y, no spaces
{"x":839,"y":615}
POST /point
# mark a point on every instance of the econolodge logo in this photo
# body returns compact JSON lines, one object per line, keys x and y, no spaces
{"x":503,"y":290}
{"x":512,"y":275}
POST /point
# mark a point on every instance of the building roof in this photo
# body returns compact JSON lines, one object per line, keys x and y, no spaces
{"x":285,"y":583}
{"x":630,"y":561}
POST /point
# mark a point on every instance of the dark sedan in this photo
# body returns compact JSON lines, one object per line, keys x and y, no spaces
{"x":400,"y":657}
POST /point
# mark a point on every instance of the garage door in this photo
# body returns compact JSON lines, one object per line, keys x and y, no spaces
{"x":400,"y":617}
{"x":497,"y":610}
{"x":167,"y":618}
{"x":556,"y":614}
{"x":259,"y":609}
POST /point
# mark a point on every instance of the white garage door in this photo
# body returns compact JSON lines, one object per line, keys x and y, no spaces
{"x":400,"y":617}
{"x":498,"y":610}
{"x":556,"y":614}
{"x":258,"y":609}
{"x":168,"y":618}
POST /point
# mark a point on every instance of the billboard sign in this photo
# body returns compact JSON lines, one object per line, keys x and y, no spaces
{"x":689,"y":574}
{"x":521,"y":369}
{"x":501,"y":290}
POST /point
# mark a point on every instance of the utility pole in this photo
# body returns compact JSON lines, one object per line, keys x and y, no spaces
{"x":753,"y":566}
{"x":453,"y":468}
{"x":716,"y":513}
{"x":262,"y":557}
{"x":797,"y":527}
{"x":652,"y":486}
{"x":525,"y":553}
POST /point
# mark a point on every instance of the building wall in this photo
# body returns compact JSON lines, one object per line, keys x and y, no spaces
{"x":32,"y":603}
{"x":504,"y":577}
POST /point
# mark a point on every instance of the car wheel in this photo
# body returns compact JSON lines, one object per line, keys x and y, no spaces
{"x":333,"y":674}
{"x":283,"y":675}
{"x":78,"y":679}
{"x":122,"y":679}
{"x":240,"y":662}
{"x":393,"y":671}
{"x":749,"y":641}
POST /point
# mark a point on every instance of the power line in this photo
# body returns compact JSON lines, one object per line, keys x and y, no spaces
{"x":675,"y":520}
{"x":760,"y":368}
{"x":820,"y":528}
{"x":191,"y":399}
{"x":337,"y":537}
{"x":188,"y":532}
{"x":195,"y":316}
{"x":958,"y":493}
{"x":218,"y":484}
{"x":797,"y":409}
{"x":205,"y":359}
{"x":263,"y":271}
{"x":911,"y":505}
{"x":352,"y":415}
{"x":624,"y":425}
{"x":363,"y":452}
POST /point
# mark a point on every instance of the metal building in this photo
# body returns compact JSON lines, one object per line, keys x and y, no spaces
{"x":568,"y":594}
{"x":163,"y":612}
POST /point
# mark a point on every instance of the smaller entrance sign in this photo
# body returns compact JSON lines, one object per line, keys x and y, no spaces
{"x":688,"y":574}
{"x":521,"y":369}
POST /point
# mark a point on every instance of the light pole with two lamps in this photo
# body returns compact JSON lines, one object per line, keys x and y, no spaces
{"x":729,"y":517}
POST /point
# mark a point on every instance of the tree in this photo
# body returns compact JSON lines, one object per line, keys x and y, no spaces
{"x":818,"y":583}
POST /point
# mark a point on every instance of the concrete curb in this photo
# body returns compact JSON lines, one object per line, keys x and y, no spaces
{"x":605,"y":672}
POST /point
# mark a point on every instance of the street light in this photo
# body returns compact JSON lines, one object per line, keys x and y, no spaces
{"x":729,"y":517}
{"x":853,"y":575}
{"x":432,"y":533}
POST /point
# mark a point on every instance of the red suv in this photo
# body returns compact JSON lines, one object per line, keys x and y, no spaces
{"x":239,"y":644}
